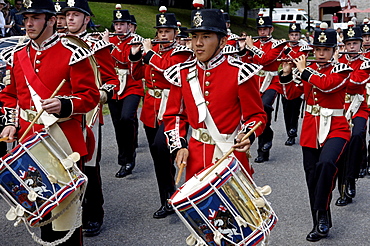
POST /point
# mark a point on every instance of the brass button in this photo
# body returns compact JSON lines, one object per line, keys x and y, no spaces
{"x":207,"y":83}
{"x":316,"y":99}
{"x":152,"y":74}
{"x":36,"y":70}
{"x":38,"y":53}
{"x":208,"y":74}
{"x":32,"y":107}
{"x":207,"y":103}
{"x":153,"y":80}
{"x":206,"y":93}
{"x":347,"y":98}
{"x":38,"y":62}
{"x":314,"y":92}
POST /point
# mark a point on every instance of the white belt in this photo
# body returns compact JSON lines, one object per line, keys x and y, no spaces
{"x":202,"y":135}
{"x":156,"y":93}
{"x":29,"y":115}
{"x":263,"y":73}
{"x":316,"y":109}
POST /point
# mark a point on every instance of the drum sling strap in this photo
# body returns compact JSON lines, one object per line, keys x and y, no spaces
{"x":35,"y":84}
{"x":223,"y":144}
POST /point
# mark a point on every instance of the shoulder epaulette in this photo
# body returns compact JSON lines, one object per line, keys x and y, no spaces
{"x":172,"y":74}
{"x":233,"y":36}
{"x":341,"y":67}
{"x":305,"y":48}
{"x":246,"y":70}
{"x":99,"y":45}
{"x":229,"y":49}
{"x":365,"y":64}
{"x":8,"y":53}
{"x":276,"y":43}
{"x":79,"y":48}
{"x":180,"y":48}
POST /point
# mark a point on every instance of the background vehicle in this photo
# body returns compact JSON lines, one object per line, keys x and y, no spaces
{"x":285,"y":16}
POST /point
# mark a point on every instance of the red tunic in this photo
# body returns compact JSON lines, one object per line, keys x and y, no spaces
{"x":324,"y":86}
{"x":158,"y":60}
{"x":80,"y":87}
{"x":266,"y":53}
{"x":358,"y":79}
{"x":230,"y":101}
{"x":120,"y":54}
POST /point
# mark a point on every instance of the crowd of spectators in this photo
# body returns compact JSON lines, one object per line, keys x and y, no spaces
{"x":11,"y":24}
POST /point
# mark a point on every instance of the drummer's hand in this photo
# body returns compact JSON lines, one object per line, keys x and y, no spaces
{"x":241,"y":146}
{"x":9,"y":132}
{"x":51,"y":106}
{"x":182,"y":157}
{"x":147,"y":43}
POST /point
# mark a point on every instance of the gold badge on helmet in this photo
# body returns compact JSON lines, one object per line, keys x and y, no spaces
{"x":118,"y":15}
{"x":27,"y":3}
{"x":322,"y":38}
{"x":294,"y":27}
{"x":71,"y":3}
{"x":198,"y":19}
{"x":162,"y":19}
{"x":58,"y":8}
{"x":261,"y":21}
{"x":351,"y":32}
{"x":365,"y":28}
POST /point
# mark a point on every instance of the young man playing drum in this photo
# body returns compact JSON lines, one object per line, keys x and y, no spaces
{"x":325,"y":130}
{"x":43,"y":63}
{"x":216,"y":94}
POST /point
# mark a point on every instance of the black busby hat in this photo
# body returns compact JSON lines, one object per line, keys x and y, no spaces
{"x":226,"y":16}
{"x":59,"y":6}
{"x":133,"y":20}
{"x":207,"y":19}
{"x":365,"y":27}
{"x":165,"y":20}
{"x":182,"y":31}
{"x":325,"y":37}
{"x":352,"y":33}
{"x":38,"y":7}
{"x":263,"y":21}
{"x":294,"y":27}
{"x":121,"y":15}
{"x":78,"y":5}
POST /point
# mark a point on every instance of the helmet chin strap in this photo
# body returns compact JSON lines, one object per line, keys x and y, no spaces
{"x":42,"y":31}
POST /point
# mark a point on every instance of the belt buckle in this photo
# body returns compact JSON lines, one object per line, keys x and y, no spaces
{"x":315,"y":110}
{"x":157,"y":94}
{"x":204,"y":136}
{"x":30,"y":115}
{"x":261,"y":73}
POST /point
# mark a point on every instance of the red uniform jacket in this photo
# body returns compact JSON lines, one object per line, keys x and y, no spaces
{"x":266,"y":53}
{"x":357,"y":81}
{"x":79,"y":94}
{"x":156,"y":61}
{"x":326,"y":87}
{"x":120,"y":54}
{"x":230,"y":101}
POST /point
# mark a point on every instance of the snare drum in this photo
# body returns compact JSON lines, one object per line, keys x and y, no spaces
{"x":225,"y":208}
{"x":36,"y":176}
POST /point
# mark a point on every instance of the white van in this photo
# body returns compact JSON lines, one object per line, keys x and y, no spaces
{"x":285,"y":16}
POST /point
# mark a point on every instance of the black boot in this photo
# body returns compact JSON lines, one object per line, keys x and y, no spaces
{"x":323,"y":226}
{"x":350,"y":189}
{"x":290,"y":141}
{"x":262,"y":157}
{"x":313,"y":236}
{"x":343,"y":201}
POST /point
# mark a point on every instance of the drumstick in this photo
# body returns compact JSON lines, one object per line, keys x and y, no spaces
{"x":231,"y":150}
{"x":41,"y":111}
{"x":182,"y":166}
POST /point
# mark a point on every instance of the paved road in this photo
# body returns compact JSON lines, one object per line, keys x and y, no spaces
{"x":131,"y":201}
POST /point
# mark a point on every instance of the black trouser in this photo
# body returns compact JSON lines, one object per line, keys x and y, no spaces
{"x":93,"y":201}
{"x":163,"y":162}
{"x":354,"y":153}
{"x":320,"y":166}
{"x":125,"y":122}
{"x":48,"y":235}
{"x":291,"y":109}
{"x":268,"y":99}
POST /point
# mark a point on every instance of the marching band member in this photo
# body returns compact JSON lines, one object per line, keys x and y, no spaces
{"x":356,"y":113}
{"x":78,"y":16}
{"x":156,"y":59}
{"x":291,"y":108}
{"x":196,"y":91}
{"x":32,"y":63}
{"x":265,"y":50}
{"x":325,"y":130}
{"x":181,"y":35}
{"x":123,"y":106}
{"x":61,"y":17}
